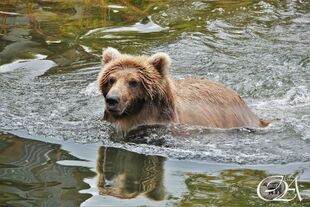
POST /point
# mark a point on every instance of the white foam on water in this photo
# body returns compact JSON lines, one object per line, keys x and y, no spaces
{"x":139,"y":27}
{"x":91,"y":90}
{"x":34,"y":67}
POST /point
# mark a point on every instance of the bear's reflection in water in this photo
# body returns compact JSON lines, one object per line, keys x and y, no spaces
{"x":126,"y":175}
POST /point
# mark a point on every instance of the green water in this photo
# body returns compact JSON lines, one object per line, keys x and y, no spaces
{"x":56,"y":151}
{"x":39,"y":173}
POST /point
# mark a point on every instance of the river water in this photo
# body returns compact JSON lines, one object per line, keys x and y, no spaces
{"x":54,"y":143}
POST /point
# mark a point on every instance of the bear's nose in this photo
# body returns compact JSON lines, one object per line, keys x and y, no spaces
{"x":112,"y":100}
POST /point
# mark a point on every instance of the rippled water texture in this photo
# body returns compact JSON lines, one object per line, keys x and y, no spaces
{"x":50,"y":57}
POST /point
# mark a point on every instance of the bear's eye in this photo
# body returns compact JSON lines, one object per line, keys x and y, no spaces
{"x":111,"y":81}
{"x":133,"y":83}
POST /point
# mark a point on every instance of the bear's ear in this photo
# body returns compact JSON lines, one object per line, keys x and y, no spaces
{"x":109,"y":54}
{"x":161,"y":61}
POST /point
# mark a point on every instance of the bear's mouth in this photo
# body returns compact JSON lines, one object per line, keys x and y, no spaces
{"x":127,"y":109}
{"x":114,"y":111}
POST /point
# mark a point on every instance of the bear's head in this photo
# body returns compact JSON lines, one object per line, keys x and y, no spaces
{"x":136,"y":86}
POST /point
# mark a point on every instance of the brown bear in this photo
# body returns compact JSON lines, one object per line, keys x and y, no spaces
{"x":138,"y":90}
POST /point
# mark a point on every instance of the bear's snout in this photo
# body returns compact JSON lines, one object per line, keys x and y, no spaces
{"x":112,"y":103}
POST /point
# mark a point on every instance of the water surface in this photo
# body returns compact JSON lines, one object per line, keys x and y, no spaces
{"x":49,"y":60}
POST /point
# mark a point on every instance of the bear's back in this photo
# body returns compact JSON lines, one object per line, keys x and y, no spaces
{"x":203,"y":102}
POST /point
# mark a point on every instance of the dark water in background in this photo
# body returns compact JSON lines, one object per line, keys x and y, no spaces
{"x":49,"y":60}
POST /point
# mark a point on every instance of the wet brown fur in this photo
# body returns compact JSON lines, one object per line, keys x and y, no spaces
{"x":190,"y":101}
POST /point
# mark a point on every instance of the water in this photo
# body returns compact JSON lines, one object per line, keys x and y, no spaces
{"x":49,"y":61}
